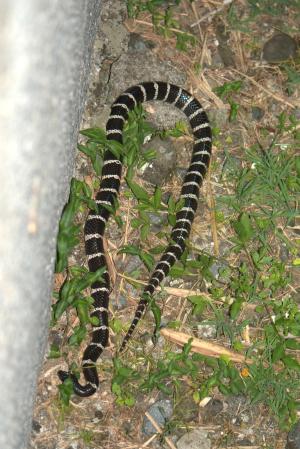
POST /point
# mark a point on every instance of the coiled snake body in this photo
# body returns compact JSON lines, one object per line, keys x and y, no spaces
{"x":109,"y":188}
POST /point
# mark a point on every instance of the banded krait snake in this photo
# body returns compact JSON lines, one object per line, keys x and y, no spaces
{"x":109,"y":188}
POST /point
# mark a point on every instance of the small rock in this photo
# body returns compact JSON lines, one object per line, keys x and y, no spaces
{"x":161,"y":412}
{"x":207,"y":331}
{"x":157,"y":220}
{"x":36,"y":426}
{"x":196,"y":439}
{"x":217,"y":61}
{"x":99,"y":414}
{"x":132,"y":263}
{"x":257,"y":113}
{"x":244,"y":442}
{"x":161,"y":168}
{"x":128,"y":427}
{"x":297,"y":113}
{"x":187,"y":410}
{"x":138,"y":44}
{"x":226,"y":55}
{"x":213,"y":408}
{"x":219,"y":116}
{"x":224,"y":49}
{"x":245,"y":418}
{"x":216,"y":268}
{"x":284,"y":253}
{"x":293,"y":438}
{"x":121,"y":303}
{"x":279,"y":48}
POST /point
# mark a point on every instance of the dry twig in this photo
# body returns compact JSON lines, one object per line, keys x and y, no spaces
{"x":277,"y":97}
{"x":203,"y":347}
{"x":212,"y":13}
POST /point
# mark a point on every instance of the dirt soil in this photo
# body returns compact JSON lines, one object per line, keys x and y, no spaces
{"x":128,"y":51}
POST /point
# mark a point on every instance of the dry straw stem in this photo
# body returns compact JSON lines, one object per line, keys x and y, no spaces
{"x":210,"y":14}
{"x":194,"y":9}
{"x":203,"y":347}
{"x":277,"y":97}
{"x":110,"y":263}
{"x":212,"y":208}
{"x":181,"y":292}
{"x":239,"y":50}
{"x":175,"y":30}
{"x":202,"y":84}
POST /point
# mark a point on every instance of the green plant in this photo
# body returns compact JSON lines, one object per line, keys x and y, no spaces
{"x":269,"y":181}
{"x":226,"y":91}
{"x":271,"y":7}
{"x":87,"y":436}
{"x":163,"y":20}
{"x":67,"y":237}
{"x":293,"y":78}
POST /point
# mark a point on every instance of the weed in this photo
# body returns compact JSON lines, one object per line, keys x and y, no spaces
{"x":226,"y":91}
{"x":86,"y":436}
{"x":293,"y":78}
{"x":271,"y":7}
{"x":163,"y":20}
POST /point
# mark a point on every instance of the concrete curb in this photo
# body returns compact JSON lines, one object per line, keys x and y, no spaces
{"x":44,"y":63}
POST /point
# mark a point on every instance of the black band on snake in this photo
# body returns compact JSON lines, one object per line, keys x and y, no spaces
{"x":109,"y":188}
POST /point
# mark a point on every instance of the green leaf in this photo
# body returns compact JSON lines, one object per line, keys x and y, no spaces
{"x":129,"y":401}
{"x":235,"y":308}
{"x":157,"y":197}
{"x":243,"y":228}
{"x":145,"y":231}
{"x":278,"y":352}
{"x":292,"y":343}
{"x":157,"y":315}
{"x":147,"y":259}
{"x":54,"y":352}
{"x":96,"y":134}
{"x":78,"y":336}
{"x":291,"y":363}
{"x":92,"y":151}
{"x":224,"y":389}
{"x":234,"y":107}
{"x":82,"y":307}
{"x":116,"y":325}
{"x":138,"y":191}
{"x":297,"y":165}
{"x":228,"y":88}
{"x":199,"y":302}
{"x":130,"y":249}
{"x":66,"y":391}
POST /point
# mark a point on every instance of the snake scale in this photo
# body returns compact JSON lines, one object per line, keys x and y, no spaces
{"x":109,"y":189}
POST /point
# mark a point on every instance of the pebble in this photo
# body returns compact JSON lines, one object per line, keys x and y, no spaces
{"x":293,"y":438}
{"x":160,"y":169}
{"x":196,"y":439}
{"x":36,"y":426}
{"x":206,"y":331}
{"x":279,"y":48}
{"x":138,"y":44}
{"x":216,"y":267}
{"x":213,"y":408}
{"x":257,"y":113}
{"x":187,"y":409}
{"x":161,"y":411}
